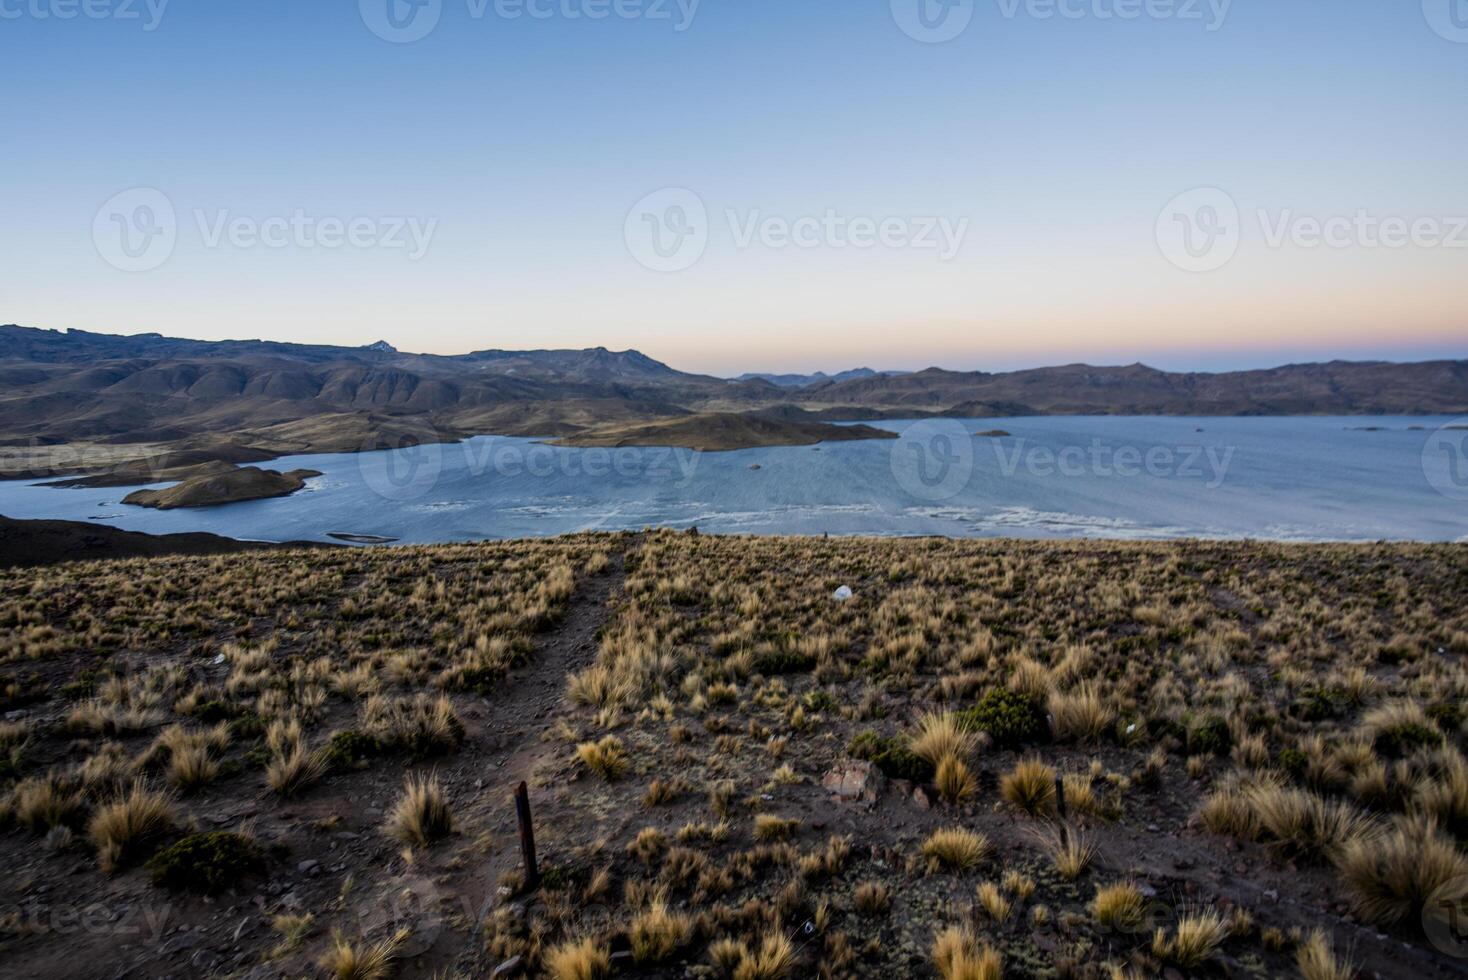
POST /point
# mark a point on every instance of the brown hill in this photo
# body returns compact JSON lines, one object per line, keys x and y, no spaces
{"x":722,"y":431}
{"x":1336,"y":388}
{"x":25,"y":543}
{"x":213,"y":488}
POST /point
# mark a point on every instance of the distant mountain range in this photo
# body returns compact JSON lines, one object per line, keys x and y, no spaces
{"x":806,"y":380}
{"x":249,"y":400}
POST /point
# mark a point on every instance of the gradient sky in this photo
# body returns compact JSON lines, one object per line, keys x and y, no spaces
{"x":1060,"y":141}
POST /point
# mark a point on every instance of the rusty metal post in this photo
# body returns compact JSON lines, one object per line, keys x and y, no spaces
{"x":527,"y":836}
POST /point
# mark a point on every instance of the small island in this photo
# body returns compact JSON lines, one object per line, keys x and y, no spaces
{"x":991,"y":434}
{"x":720,"y":432}
{"x":229,"y":487}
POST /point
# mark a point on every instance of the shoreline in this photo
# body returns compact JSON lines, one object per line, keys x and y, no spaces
{"x":82,"y":477}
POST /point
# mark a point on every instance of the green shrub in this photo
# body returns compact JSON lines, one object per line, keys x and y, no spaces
{"x":1210,"y":737}
{"x":247,"y":725}
{"x":350,"y":749}
{"x":1406,"y":738}
{"x":212,"y":712}
{"x":820,"y":700}
{"x":1292,"y":761}
{"x":892,"y":756}
{"x":1448,"y":715}
{"x":783,"y":662}
{"x":1315,"y":705}
{"x":1009,"y":717}
{"x":207,"y":863}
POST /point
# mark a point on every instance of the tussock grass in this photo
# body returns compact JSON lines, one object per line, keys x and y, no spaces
{"x":957,"y":955}
{"x":1071,"y":851}
{"x":939,"y":736}
{"x":1030,"y":787}
{"x":43,"y":802}
{"x":348,"y":959}
{"x":769,"y":827}
{"x":422,"y":815}
{"x":291,"y":772}
{"x":956,"y":848}
{"x":872,"y":898}
{"x":122,"y":829}
{"x":774,"y":959}
{"x":656,"y":933}
{"x":1120,"y":907}
{"x":1193,"y":941}
{"x":1317,"y":960}
{"x":578,"y":959}
{"x":607,"y":758}
{"x":1080,"y":716}
{"x":1393,"y":877}
{"x":954,"y":781}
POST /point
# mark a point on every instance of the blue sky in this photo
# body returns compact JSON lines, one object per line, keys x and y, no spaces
{"x":1054,"y":142}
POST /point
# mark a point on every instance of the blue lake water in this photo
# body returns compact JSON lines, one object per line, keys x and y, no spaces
{"x":1276,"y":478}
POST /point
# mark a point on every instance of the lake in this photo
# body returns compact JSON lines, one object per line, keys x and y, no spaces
{"x":1288,"y":479}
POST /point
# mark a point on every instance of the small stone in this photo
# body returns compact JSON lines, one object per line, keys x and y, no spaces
{"x":308,"y":866}
{"x":509,"y":967}
{"x":921,"y":798}
{"x":854,"y":780}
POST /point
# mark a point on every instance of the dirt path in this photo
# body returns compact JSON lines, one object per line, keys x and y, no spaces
{"x":516,"y":745}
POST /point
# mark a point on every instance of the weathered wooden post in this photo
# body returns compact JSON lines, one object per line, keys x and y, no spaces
{"x":527,"y":836}
{"x":1060,"y":796}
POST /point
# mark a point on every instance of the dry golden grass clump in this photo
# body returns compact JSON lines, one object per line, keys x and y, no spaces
{"x":656,"y":933}
{"x":346,"y":959}
{"x":422,"y":815}
{"x":1316,"y":959}
{"x":957,"y":955}
{"x":1393,"y":877}
{"x":956,"y":848}
{"x":1120,"y":907}
{"x":580,"y":959}
{"x":607,"y":758}
{"x":122,"y":828}
{"x":1193,"y":941}
{"x":1030,"y":787}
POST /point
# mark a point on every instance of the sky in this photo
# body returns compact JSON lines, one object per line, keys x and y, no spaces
{"x":742,"y":185}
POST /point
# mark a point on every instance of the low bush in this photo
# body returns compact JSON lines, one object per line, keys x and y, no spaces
{"x":892,"y":756}
{"x":1009,"y":717}
{"x":206,"y":863}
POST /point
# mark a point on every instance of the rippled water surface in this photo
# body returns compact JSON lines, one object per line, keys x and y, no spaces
{"x":1279,"y":478}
